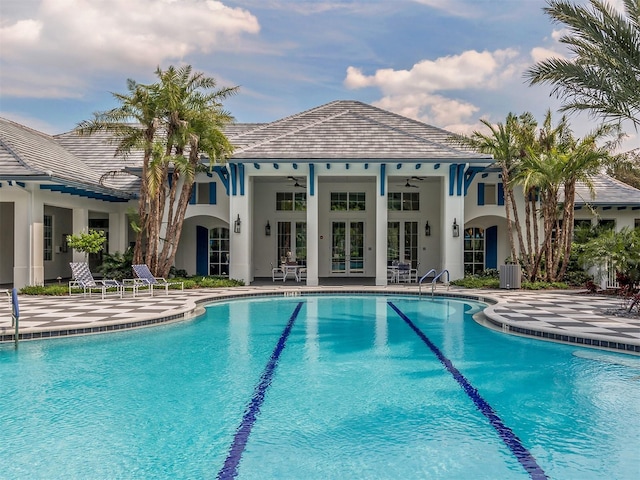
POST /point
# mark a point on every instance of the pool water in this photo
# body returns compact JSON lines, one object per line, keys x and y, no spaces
{"x":319,"y":387}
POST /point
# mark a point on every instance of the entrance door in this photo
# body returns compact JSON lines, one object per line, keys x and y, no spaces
{"x":347,"y":248}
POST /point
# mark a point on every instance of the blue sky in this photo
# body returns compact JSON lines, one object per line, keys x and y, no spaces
{"x":448,"y":63}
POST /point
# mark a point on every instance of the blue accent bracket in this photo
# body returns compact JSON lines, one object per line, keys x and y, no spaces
{"x":295,"y":166}
{"x":276,"y":166}
{"x":398,"y":166}
{"x":460,"y":179}
{"x":256,"y":166}
{"x":453,"y":170}
{"x":82,"y":193}
{"x":469,"y":176}
{"x":223,"y":173}
{"x":233,"y":170}
{"x":436,"y":166}
{"x":383,"y":173}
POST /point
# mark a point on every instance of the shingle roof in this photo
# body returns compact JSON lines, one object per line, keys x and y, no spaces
{"x":349,"y":130}
{"x":98,"y":152}
{"x":608,"y":191}
{"x":27,"y":154}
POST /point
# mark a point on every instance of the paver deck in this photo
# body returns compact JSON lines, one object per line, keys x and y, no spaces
{"x":558,"y":315}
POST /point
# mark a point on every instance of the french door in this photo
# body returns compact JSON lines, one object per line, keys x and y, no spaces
{"x":347,"y":247}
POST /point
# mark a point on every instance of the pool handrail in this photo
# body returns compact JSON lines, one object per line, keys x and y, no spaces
{"x":433,"y":282}
{"x":433,"y":270}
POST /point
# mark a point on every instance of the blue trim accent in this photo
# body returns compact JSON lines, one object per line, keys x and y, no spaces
{"x":500,"y":194}
{"x":276,"y":166}
{"x":233,"y":170}
{"x":82,"y":193}
{"x":312,"y":179}
{"x":453,"y":169}
{"x":635,"y":208}
{"x":223,"y":173}
{"x":509,"y":438}
{"x":436,"y":166}
{"x":295,"y":166}
{"x":229,"y":470}
{"x":346,"y":165}
{"x":194,"y":190}
{"x":460,"y":179}
{"x":328,"y":166}
{"x":418,"y":166}
{"x":256,"y":166}
{"x":366,"y":166}
{"x":606,"y":208}
{"x":213,"y":193}
{"x":485,"y":175}
{"x":480,"y":193}
{"x":622,"y":208}
{"x":491,"y":247}
{"x":383,"y":174}
{"x":21,"y":184}
{"x":577,"y":207}
{"x":398,"y":166}
{"x":241,"y":178}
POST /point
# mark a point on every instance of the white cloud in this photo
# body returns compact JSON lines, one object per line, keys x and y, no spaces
{"x":95,"y":38}
{"x":539,"y":54}
{"x":417,"y":93}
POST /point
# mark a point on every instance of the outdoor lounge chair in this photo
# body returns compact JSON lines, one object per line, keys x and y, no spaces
{"x":277,"y":273}
{"x":82,"y":278}
{"x":145,"y":277}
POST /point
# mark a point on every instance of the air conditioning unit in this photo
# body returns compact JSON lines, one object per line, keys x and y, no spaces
{"x":510,"y":276}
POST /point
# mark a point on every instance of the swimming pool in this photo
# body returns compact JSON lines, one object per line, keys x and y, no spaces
{"x":319,"y":387}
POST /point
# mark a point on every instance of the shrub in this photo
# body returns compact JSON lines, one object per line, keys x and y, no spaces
{"x":55,"y":290}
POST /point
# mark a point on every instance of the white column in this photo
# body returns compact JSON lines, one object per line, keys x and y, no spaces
{"x":80,"y":224}
{"x":240,"y":248}
{"x":381,"y":226}
{"x":313,"y":231}
{"x":22,"y":245}
{"x":117,"y":232}
{"x":37,"y":238}
{"x":451,"y":247}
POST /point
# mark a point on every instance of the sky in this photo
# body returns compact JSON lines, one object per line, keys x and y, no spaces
{"x":448,"y":63}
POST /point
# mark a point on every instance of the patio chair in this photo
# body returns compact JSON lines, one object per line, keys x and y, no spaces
{"x":302,"y":274}
{"x":82,"y":278}
{"x":146,"y":278}
{"x":277,"y":273}
{"x":404,"y":273}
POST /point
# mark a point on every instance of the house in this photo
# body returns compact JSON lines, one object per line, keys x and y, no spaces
{"x":344,"y":189}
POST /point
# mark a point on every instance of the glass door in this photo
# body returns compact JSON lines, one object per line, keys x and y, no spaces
{"x":347,"y":247}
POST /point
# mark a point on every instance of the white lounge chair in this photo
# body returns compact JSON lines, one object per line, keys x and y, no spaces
{"x":145,"y":277}
{"x":82,"y":278}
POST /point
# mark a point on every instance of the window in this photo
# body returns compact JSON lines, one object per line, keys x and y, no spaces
{"x":607,"y":224}
{"x":48,"y":238}
{"x":292,"y":244}
{"x":289,"y":201}
{"x":490,"y":194}
{"x":406,"y":234}
{"x":341,"y":201}
{"x":637,"y":223}
{"x":205,"y":193}
{"x":473,"y":250}
{"x":405,"y":201}
{"x":219,"y":251}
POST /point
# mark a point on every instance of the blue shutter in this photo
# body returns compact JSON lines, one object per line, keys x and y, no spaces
{"x":192,"y":200}
{"x":212,"y":193}
{"x":500,"y":194}
{"x":480,"y":193}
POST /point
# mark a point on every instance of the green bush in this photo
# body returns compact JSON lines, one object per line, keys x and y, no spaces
{"x":55,"y":290}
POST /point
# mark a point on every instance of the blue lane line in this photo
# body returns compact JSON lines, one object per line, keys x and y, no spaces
{"x":230,"y":468}
{"x":510,"y":439}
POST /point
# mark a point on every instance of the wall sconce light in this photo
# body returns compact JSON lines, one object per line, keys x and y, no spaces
{"x":236,"y":225}
{"x":456,"y":228}
{"x":427,"y":230}
{"x":267,"y":229}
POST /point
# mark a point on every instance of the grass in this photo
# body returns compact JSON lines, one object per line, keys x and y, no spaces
{"x":189,"y":283}
{"x":494,"y":283}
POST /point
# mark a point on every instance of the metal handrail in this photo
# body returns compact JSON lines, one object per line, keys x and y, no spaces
{"x":433,"y":270}
{"x":433,"y":282}
{"x":15,"y":314}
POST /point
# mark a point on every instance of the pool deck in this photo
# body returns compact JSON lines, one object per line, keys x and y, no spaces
{"x":562,"y":316}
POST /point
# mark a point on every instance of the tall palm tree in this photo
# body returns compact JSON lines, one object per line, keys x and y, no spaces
{"x":603,"y":76}
{"x":507,"y":142}
{"x":177,"y":119}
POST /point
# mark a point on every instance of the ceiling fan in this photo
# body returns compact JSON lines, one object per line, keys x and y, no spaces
{"x":410,"y":185}
{"x":297,"y":182}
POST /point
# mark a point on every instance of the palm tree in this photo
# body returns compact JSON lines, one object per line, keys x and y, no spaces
{"x":603,"y":76}
{"x":177,"y":119}
{"x":507,"y":142}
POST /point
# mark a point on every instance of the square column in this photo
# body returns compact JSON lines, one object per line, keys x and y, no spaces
{"x":313,"y":230}
{"x":240,"y":242}
{"x":381,"y":226}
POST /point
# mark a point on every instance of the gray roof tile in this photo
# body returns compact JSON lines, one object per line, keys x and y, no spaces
{"x":608,"y":191}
